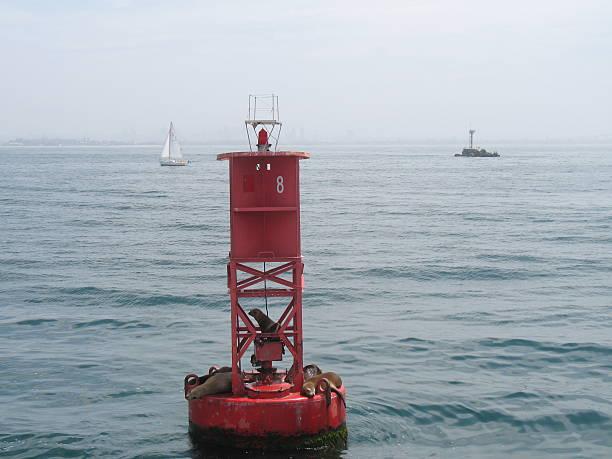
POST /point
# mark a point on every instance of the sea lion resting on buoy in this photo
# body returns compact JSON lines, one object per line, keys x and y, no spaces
{"x":324,"y":383}
{"x":266,"y":324}
{"x":217,"y":383}
{"x":310,"y":371}
{"x":213,"y":371}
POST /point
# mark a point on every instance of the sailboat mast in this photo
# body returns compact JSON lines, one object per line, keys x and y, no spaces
{"x":170,"y":141}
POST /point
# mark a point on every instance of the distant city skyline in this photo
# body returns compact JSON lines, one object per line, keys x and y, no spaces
{"x":394,"y":70}
{"x":290,"y":141}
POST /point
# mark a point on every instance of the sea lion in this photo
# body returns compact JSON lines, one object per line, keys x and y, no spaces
{"x":213,"y":371}
{"x":323,"y":383}
{"x":327,"y":387}
{"x":310,"y":371}
{"x":266,"y":325}
{"x":218,"y":383}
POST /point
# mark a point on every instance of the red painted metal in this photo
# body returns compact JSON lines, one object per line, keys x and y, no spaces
{"x":265,"y":261}
{"x":263,"y":154}
{"x":262,"y":137}
{"x":290,"y":415}
{"x":272,"y":390}
{"x":271,"y":351}
{"x":265,"y":252}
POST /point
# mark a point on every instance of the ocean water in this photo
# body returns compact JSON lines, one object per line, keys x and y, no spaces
{"x":466,"y":303}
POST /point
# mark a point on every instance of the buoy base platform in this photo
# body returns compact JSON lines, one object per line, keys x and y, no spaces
{"x":291,"y":422}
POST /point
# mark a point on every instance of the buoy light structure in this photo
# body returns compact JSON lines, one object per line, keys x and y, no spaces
{"x":265,"y":409}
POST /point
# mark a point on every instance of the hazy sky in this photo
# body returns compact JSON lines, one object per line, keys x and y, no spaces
{"x":385,"y":69}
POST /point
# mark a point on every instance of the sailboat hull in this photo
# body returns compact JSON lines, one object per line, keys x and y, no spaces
{"x":174,"y":162}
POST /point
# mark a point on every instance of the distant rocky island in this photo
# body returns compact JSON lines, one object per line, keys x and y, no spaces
{"x":57,"y":142}
{"x":477,"y":152}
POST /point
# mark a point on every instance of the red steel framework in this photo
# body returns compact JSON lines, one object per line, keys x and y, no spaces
{"x":265,"y":232}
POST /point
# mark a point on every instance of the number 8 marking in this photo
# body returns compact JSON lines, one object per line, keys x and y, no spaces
{"x":280,"y":187}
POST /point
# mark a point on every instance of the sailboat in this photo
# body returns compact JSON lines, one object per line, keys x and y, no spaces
{"x":171,"y":154}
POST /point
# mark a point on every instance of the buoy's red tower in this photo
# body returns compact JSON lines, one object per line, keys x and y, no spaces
{"x":265,"y":409}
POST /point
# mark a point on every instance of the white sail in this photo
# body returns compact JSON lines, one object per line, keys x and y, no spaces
{"x":166,"y":150}
{"x":175,"y":147}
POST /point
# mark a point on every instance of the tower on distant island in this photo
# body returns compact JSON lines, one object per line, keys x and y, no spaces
{"x":476,"y":152}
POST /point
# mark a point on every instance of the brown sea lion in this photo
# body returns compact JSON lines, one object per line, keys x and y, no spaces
{"x":218,"y":383}
{"x":327,"y":387}
{"x":324,"y":383}
{"x":309,"y":372}
{"x":213,"y":371}
{"x":266,"y":325}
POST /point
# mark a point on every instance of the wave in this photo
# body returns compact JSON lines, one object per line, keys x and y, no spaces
{"x":453,"y":273}
{"x":35,"y":322}
{"x":466,"y":415}
{"x":115,"y":297}
{"x":415,"y":340}
{"x":194,"y":226}
{"x":112,"y":323}
{"x":42,"y":445}
{"x":563,"y":348}
{"x":522,"y":258}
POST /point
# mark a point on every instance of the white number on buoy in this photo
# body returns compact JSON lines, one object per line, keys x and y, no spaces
{"x":280,"y":187}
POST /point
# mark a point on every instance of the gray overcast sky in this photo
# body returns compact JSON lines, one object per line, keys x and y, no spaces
{"x":387,"y":69}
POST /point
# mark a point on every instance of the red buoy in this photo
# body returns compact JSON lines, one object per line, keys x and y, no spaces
{"x":265,"y":408}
